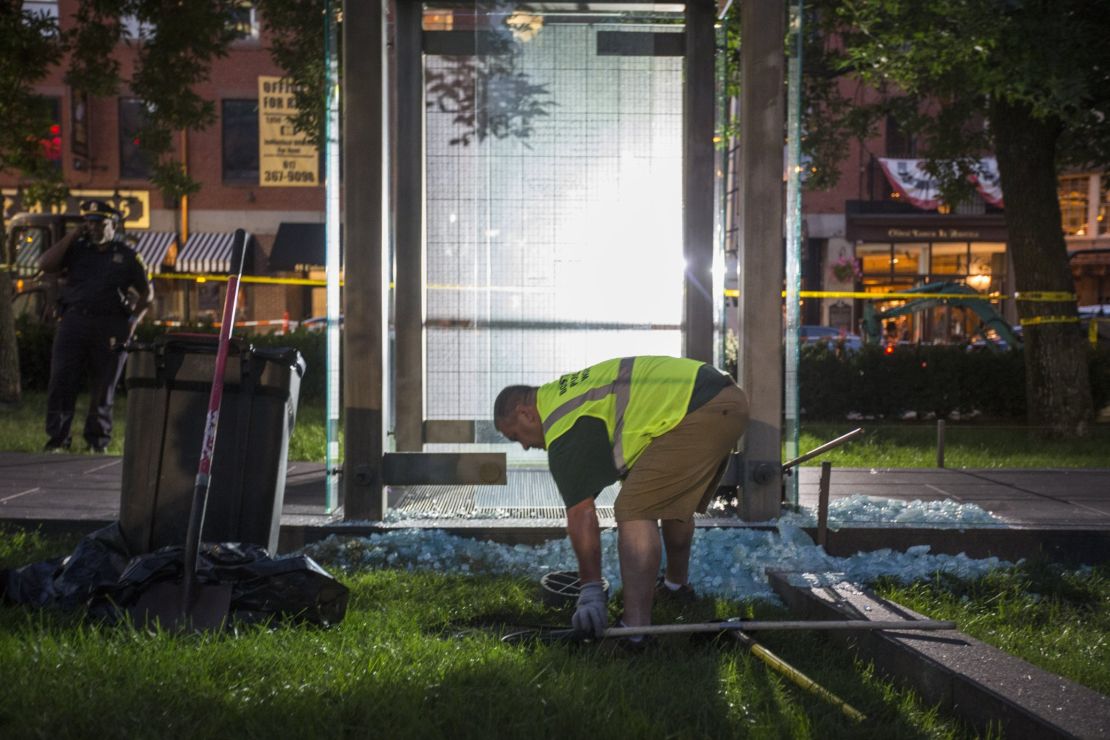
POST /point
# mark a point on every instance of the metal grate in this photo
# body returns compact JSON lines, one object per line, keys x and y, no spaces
{"x":529,"y":494}
{"x":436,"y":501}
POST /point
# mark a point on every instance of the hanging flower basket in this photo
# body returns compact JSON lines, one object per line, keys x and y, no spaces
{"x":846,"y":269}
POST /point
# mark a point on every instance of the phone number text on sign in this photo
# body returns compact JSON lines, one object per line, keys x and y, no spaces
{"x":286,"y":159}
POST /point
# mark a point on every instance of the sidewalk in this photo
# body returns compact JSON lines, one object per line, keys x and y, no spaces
{"x":1050,"y":509}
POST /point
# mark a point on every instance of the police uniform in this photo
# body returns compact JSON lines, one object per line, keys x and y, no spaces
{"x":94,"y":325}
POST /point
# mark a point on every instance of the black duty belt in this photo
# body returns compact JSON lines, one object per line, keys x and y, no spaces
{"x":87,"y":311}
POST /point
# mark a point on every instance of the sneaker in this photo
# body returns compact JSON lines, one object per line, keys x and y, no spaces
{"x":685,"y":594}
{"x":98,"y":450}
{"x":55,"y":447}
{"x":634,"y":646}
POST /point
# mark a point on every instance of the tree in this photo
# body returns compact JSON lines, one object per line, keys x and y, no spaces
{"x":175,"y":53}
{"x":297,"y":31}
{"x":178,"y":42}
{"x":1028,"y":80}
{"x":30,"y":44}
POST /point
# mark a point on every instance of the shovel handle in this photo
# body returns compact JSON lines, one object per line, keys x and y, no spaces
{"x":211,"y":425}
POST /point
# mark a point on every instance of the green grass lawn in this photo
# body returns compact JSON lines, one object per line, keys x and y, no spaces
{"x":883,"y":445}
{"x":1051,"y":617}
{"x":419,"y":656}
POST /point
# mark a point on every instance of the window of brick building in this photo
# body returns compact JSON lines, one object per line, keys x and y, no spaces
{"x":1073,"y":204}
{"x":1104,"y":204}
{"x":899,"y":142}
{"x":244,"y":20}
{"x":51,"y":141}
{"x":48,"y":8}
{"x":239,"y":123}
{"x":133,"y":164}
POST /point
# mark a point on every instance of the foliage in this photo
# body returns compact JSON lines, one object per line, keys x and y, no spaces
{"x":935,"y":67}
{"x":846,"y":268}
{"x":487,"y":93}
{"x":1022,"y":79}
{"x":297,"y":44}
{"x":30,"y":44}
{"x":36,"y":340}
{"x":927,"y":380}
{"x":176,"y":48}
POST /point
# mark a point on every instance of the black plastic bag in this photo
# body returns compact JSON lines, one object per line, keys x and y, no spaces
{"x":291,"y":588}
{"x":101,"y":577}
{"x":69,"y":582}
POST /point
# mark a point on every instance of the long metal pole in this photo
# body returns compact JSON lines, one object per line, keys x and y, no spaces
{"x":195,"y":531}
{"x":792,"y":410}
{"x":775,"y":662}
{"x":823,"y":448}
{"x":788,"y":625}
{"x":331,"y":261}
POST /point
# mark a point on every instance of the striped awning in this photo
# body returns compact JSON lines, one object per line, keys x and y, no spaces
{"x":153,"y":246}
{"x":206,"y":252}
{"x":27,"y":259}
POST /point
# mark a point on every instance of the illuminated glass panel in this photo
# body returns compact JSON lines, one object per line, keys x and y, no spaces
{"x":554,"y":201}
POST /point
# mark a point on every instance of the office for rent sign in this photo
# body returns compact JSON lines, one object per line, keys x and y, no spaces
{"x":285,"y":158}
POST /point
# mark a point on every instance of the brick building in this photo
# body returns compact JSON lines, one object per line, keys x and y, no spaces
{"x":94,"y":141}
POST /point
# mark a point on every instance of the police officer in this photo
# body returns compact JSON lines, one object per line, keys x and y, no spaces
{"x":100,"y":273}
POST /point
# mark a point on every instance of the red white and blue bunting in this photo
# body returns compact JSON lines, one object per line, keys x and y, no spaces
{"x":909,"y":178}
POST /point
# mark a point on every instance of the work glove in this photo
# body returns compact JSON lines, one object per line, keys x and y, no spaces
{"x":591,"y":616}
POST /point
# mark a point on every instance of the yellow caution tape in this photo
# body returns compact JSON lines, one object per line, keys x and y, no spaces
{"x":906,"y":296}
{"x":729,"y":293}
{"x":256,"y":279}
{"x":1034,"y":320}
{"x":1044,"y":295}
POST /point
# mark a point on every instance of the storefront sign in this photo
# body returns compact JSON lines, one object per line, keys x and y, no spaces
{"x":134,"y":204}
{"x":926,"y":228}
{"x":895,"y":233}
{"x":285,"y":158}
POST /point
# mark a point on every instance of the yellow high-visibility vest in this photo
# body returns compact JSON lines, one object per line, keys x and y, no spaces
{"x":638,"y":398}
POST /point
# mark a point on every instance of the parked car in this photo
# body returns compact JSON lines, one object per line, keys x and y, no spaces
{"x":830,"y":335}
{"x":318,"y":323}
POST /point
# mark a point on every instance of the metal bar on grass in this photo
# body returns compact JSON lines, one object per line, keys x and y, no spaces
{"x":802,"y":680}
{"x":823,"y":448}
{"x":756,"y":625}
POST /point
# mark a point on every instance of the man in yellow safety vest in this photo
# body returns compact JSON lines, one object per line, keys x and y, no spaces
{"x":664,"y":426}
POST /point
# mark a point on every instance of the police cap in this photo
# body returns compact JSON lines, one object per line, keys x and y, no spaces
{"x":98,"y":209}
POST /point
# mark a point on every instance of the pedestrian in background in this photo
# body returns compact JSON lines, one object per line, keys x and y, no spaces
{"x":664,"y":426}
{"x":104,"y":292}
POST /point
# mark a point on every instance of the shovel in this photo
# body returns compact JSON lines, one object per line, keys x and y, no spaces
{"x":194,"y":606}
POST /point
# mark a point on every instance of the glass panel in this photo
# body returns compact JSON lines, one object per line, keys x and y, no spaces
{"x":1073,"y":205}
{"x":909,"y":259}
{"x":949,"y":259}
{"x":874,"y":259}
{"x":554,"y":202}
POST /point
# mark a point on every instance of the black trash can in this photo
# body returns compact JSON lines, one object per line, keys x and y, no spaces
{"x":168,"y":384}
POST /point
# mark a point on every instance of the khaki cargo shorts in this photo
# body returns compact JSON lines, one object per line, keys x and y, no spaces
{"x":679,"y":472}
